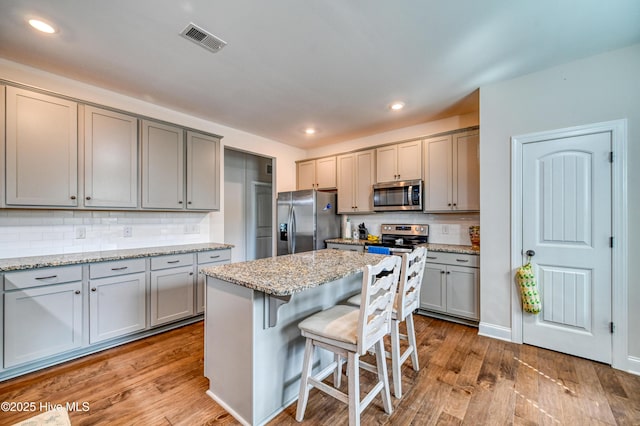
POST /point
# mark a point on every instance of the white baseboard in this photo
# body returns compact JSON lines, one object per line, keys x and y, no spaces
{"x":228,"y":409}
{"x":633,"y":365}
{"x":494,"y":331}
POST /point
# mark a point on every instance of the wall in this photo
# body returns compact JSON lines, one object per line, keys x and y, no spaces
{"x":25,"y":233}
{"x":596,"y":89}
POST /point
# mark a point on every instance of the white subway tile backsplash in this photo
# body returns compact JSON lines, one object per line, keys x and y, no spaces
{"x":42,"y":232}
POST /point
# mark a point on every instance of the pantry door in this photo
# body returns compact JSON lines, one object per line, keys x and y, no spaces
{"x":567,"y":221}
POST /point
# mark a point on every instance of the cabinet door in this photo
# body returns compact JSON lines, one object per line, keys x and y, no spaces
{"x":386,"y":161}
{"x":346,"y":182}
{"x":117,"y":306}
{"x":462,"y":292}
{"x":110,"y":159}
{"x":162,"y":166}
{"x":410,"y":160}
{"x":203,"y":172}
{"x":438,"y":193}
{"x":171,"y":294}
{"x":326,"y":173}
{"x":307,"y":174}
{"x":466,"y":171}
{"x":365,"y":176}
{"x":41,"y":322}
{"x":433,"y":293}
{"x":41,"y":150}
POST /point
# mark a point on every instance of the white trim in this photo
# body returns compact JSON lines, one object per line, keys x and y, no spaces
{"x":633,"y":365}
{"x":228,"y":409}
{"x":494,"y":331}
{"x":619,"y":265}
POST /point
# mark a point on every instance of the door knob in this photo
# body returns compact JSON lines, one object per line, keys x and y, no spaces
{"x":530,"y":253}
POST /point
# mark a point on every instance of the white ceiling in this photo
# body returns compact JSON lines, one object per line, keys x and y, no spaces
{"x":290,"y":64}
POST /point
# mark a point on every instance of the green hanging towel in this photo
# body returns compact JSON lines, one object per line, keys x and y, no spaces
{"x":528,"y":289}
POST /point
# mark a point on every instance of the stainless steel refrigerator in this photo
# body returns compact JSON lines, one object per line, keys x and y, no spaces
{"x":305,"y":219}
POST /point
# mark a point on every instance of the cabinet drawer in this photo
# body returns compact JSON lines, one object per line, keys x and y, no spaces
{"x":42,"y":276}
{"x":171,"y":261}
{"x":214,"y":256}
{"x":116,"y":267}
{"x":470,"y":260}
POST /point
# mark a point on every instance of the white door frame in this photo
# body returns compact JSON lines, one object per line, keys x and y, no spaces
{"x":619,"y":279}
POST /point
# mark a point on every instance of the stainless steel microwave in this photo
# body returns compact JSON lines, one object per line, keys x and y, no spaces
{"x":397,"y":196}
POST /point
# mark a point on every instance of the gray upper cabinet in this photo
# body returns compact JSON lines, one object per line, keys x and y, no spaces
{"x":41,"y":150}
{"x":203,"y":169}
{"x":162,"y":166}
{"x":110,"y":159}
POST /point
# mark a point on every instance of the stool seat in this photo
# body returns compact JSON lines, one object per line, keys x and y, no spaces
{"x":339,"y":323}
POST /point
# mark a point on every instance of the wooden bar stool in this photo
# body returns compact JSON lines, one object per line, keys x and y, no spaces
{"x":349,"y":332}
{"x":407,"y":300}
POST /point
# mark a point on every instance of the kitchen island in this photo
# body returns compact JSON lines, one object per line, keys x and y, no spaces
{"x":253,"y":347}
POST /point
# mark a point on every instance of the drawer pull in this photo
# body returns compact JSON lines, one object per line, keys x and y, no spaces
{"x":432,"y":257}
{"x":214,"y":257}
{"x":462,"y":260}
{"x":77,"y":291}
{"x":47,"y":278}
{"x":94,"y":289}
{"x":173,"y":261}
{"x":122,"y":268}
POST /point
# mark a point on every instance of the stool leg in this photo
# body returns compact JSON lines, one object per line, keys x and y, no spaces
{"x":303,"y":396}
{"x":411,"y":333}
{"x":337,"y":373}
{"x":381,"y":362}
{"x":353,"y":366}
{"x":396,"y":367}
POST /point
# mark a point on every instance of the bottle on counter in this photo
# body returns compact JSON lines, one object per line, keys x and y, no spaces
{"x":346,"y":228}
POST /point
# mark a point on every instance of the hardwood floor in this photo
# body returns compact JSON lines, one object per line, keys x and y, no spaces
{"x":464,"y":379}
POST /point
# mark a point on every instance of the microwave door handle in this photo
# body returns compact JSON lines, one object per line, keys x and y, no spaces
{"x":410,"y":195}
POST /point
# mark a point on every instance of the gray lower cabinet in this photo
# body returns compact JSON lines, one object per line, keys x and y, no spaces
{"x":206,"y":259}
{"x":42,"y":313}
{"x":450,"y":288}
{"x":172,"y":284}
{"x":117,"y":299}
{"x":349,"y":247}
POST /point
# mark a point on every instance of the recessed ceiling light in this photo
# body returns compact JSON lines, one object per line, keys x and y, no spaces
{"x":396,"y":106}
{"x":310,"y":131}
{"x":42,"y":26}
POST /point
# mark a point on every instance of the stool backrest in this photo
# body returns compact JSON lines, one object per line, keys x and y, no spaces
{"x":379,"y":285}
{"x":410,"y":282}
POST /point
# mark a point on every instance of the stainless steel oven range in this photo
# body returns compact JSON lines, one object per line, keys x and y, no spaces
{"x":401,"y":238}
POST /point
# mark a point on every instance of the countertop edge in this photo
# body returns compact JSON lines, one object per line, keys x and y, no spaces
{"x":53,"y":260}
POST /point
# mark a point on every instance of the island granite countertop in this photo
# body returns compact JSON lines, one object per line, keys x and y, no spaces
{"x":447,"y":248}
{"x":293,"y":273}
{"x":20,"y":263}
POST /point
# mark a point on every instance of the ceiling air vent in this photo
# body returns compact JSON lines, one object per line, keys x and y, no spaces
{"x":203,"y":38}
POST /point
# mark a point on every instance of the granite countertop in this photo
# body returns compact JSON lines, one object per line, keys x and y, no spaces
{"x":18,"y":263}
{"x":293,"y":273}
{"x":447,"y":248}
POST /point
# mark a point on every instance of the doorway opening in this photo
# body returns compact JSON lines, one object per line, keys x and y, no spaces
{"x":248,"y":204}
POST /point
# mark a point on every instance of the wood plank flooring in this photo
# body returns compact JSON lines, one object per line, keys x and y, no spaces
{"x":464,"y":379}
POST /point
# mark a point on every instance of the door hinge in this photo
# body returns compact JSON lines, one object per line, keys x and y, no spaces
{"x":612,"y":327}
{"x":611,"y":242}
{"x":611,"y":157}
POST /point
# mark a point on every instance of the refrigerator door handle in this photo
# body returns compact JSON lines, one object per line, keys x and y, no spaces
{"x":289,"y":231}
{"x":292,"y":234}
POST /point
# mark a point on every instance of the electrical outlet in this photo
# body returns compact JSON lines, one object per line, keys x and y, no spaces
{"x":127,"y":232}
{"x":444,"y":229}
{"x":81,"y":232}
{"x":192,"y":229}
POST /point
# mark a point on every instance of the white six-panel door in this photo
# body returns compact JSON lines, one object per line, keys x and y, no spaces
{"x":566,"y":220}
